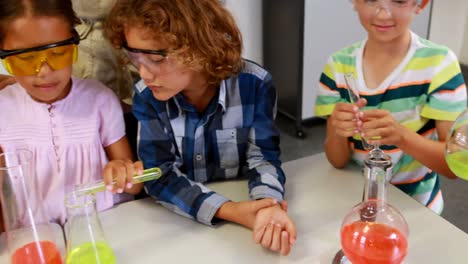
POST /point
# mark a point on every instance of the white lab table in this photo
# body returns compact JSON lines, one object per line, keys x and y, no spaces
{"x":319,"y":196}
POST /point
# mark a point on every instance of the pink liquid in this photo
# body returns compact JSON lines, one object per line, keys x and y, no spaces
{"x":365,"y":242}
{"x":29,"y":253}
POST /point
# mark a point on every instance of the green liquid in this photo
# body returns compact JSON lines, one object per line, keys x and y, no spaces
{"x":458,"y":163}
{"x":89,"y":253}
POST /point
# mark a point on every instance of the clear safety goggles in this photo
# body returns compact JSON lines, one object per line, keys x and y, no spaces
{"x":393,"y":8}
{"x":155,"y":61}
{"x":25,"y":62}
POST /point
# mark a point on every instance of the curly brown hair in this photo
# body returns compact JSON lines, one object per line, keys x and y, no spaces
{"x":201,"y":33}
{"x":11,"y":10}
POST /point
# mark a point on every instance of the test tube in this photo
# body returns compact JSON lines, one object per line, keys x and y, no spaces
{"x":99,"y":186}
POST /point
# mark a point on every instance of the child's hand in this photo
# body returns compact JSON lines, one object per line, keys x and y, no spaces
{"x":6,"y":80}
{"x":379,"y":127}
{"x":122,"y":172}
{"x":345,"y":118}
{"x":243,"y":213}
{"x":274,"y":229}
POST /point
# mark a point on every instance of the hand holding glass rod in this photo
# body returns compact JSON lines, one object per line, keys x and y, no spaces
{"x":99,"y":186}
{"x":354,"y":96}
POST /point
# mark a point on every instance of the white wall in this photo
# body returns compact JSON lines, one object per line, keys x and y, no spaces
{"x":464,"y":49}
{"x":448,"y":25}
{"x":248,"y":15}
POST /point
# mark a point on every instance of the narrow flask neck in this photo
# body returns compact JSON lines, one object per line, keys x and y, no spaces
{"x":378,"y":171}
{"x":83,"y":222}
{"x":81,"y":205}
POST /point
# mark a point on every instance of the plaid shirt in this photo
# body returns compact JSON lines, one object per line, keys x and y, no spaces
{"x":234,"y":137}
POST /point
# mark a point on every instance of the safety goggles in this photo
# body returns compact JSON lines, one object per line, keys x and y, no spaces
{"x":155,"y":61}
{"x":25,"y":62}
{"x":393,"y":8}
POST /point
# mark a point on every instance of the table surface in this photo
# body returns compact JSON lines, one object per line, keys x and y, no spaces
{"x":319,"y":197}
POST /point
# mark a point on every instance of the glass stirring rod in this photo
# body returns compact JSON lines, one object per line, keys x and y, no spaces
{"x":99,"y":186}
{"x":353,"y":93}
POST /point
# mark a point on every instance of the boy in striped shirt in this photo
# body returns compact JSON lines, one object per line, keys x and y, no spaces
{"x":411,"y":92}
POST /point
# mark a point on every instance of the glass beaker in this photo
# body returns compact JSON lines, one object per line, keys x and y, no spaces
{"x":456,"y":153}
{"x":374,"y":231}
{"x":86,"y":243}
{"x":29,"y":236}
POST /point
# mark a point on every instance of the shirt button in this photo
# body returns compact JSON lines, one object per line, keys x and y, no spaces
{"x":199,"y":157}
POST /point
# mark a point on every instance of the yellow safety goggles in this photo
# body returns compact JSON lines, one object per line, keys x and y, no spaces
{"x":24,"y":62}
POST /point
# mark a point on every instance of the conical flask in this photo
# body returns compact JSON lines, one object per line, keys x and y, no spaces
{"x":456,"y":153}
{"x":374,"y":231}
{"x":29,"y":236}
{"x":86,"y":243}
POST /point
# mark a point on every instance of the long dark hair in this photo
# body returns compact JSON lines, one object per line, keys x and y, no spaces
{"x":14,"y":9}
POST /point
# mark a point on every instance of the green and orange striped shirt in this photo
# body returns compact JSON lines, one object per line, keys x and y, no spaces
{"x":425,"y":87}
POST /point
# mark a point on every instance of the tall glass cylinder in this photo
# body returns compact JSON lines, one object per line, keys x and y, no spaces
{"x":374,"y":231}
{"x":29,"y":236}
{"x":86,"y":243}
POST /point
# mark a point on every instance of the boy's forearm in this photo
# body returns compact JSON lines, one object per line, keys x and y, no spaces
{"x":336,"y":148}
{"x":228,"y":212}
{"x":428,"y":152}
{"x":244,"y":213}
{"x":135,"y":189}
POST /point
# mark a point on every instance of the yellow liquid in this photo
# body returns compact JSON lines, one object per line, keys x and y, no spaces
{"x":89,"y":253}
{"x":458,"y":163}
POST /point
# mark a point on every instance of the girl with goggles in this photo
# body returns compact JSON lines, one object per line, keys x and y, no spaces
{"x":73,"y":127}
{"x":411,"y":92}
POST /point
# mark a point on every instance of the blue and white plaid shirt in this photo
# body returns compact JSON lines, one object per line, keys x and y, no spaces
{"x":234,"y":137}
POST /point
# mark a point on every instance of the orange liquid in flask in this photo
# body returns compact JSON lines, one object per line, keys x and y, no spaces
{"x":29,"y":254}
{"x":366,"y":242}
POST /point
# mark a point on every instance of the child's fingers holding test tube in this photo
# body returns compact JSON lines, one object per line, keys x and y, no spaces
{"x":118,"y":174}
{"x":100,"y":186}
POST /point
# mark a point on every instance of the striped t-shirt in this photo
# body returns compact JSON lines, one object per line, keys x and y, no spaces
{"x":426,"y":86}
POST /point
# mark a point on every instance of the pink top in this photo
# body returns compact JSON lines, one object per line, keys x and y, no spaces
{"x":67,"y":138}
